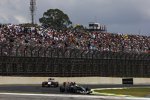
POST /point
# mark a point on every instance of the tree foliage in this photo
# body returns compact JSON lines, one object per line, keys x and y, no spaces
{"x":55,"y":18}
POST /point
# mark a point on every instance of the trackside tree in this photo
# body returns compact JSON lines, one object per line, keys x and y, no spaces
{"x":55,"y":18}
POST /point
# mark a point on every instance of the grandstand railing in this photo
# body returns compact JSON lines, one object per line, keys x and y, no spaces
{"x":62,"y":62}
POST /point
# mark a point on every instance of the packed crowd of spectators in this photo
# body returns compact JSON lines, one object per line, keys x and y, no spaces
{"x":13,"y":36}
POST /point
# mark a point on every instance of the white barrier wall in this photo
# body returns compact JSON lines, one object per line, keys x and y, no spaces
{"x":141,"y":81}
{"x":79,"y":80}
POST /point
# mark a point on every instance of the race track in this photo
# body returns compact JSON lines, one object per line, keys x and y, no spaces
{"x":21,"y":96}
{"x":50,"y":97}
{"x":51,"y":90}
{"x":36,"y":92}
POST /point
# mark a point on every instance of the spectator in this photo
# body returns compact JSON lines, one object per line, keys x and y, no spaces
{"x":14,"y":36}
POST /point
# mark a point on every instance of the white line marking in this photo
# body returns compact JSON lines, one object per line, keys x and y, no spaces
{"x":75,"y":96}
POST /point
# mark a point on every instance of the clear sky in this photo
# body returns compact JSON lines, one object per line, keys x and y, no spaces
{"x":120,"y":16}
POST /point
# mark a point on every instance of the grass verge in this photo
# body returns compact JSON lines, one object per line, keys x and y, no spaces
{"x":138,"y":92}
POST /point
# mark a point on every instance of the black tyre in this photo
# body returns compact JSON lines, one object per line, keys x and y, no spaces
{"x":43,"y":85}
{"x":56,"y":85}
{"x":62,"y":89}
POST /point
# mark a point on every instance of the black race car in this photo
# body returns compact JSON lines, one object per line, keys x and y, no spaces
{"x":50,"y":83}
{"x":75,"y":89}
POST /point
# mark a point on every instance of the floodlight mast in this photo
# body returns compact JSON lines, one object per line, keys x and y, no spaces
{"x":32,"y":10}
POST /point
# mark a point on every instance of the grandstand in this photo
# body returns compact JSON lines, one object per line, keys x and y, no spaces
{"x":38,"y":51}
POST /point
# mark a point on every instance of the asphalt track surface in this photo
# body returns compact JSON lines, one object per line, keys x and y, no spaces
{"x":23,"y":97}
{"x":48,"y":92}
{"x":60,"y":97}
{"x":52,"y":90}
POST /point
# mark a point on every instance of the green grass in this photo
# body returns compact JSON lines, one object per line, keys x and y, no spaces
{"x":138,"y":92}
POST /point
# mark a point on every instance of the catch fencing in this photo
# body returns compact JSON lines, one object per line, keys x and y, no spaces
{"x":67,"y":62}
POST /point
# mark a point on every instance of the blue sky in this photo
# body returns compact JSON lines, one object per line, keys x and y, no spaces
{"x":120,"y":16}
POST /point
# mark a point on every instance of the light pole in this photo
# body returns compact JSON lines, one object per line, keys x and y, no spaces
{"x":32,"y":10}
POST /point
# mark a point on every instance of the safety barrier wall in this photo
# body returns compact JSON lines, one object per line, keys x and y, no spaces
{"x":4,"y":80}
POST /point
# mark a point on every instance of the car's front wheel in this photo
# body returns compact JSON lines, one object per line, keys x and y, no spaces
{"x":62,"y":89}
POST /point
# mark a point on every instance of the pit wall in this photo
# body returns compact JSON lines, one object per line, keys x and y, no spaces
{"x":79,"y":80}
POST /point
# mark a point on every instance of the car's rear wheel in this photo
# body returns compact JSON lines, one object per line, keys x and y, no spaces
{"x":43,"y":85}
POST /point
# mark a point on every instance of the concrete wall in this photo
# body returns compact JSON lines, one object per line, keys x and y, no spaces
{"x":79,"y":80}
{"x":141,"y":81}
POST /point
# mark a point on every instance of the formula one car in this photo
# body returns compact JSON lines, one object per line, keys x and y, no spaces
{"x":50,"y":83}
{"x":73,"y":88}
